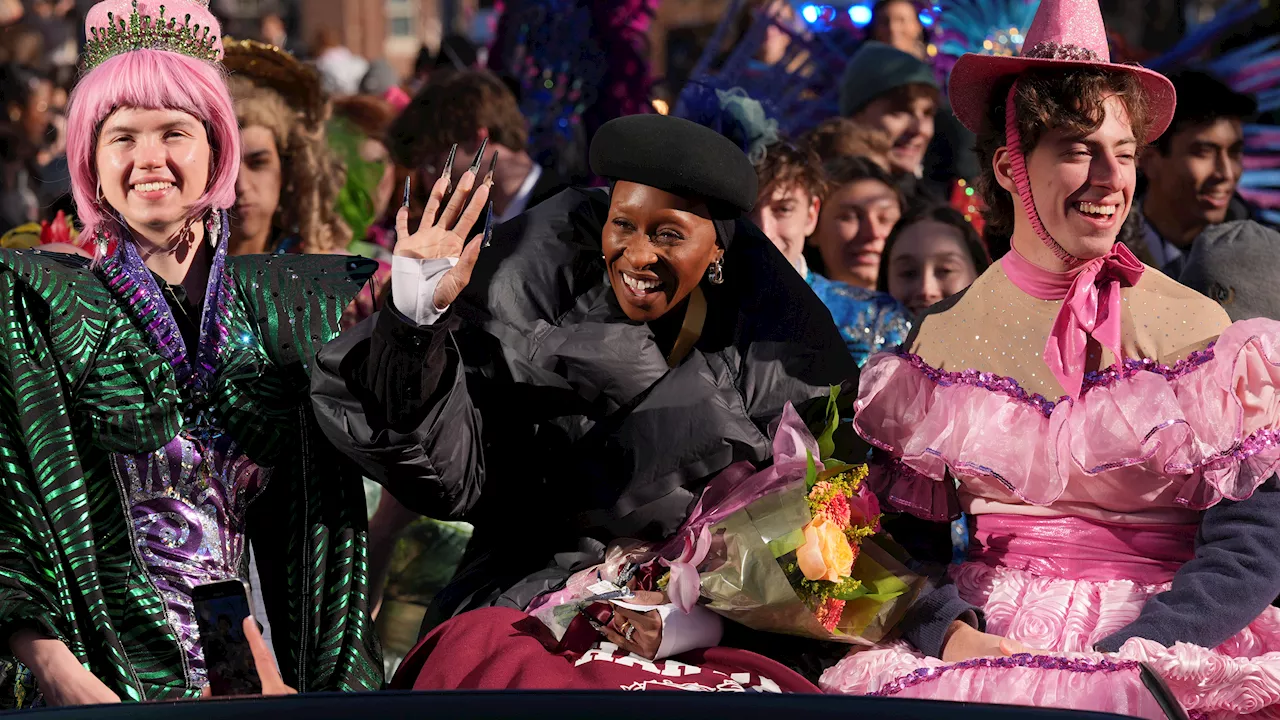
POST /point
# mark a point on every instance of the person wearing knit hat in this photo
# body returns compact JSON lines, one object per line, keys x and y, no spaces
{"x":590,"y":365}
{"x":897,"y":93}
{"x":155,"y":419}
{"x":1108,"y":432}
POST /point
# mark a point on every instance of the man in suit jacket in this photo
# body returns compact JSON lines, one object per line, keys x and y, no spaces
{"x":1191,"y":173}
{"x":472,"y":108}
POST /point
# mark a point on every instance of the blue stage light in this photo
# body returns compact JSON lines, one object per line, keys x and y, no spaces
{"x":809,"y":13}
{"x":860,"y":15}
{"x":926,"y":19}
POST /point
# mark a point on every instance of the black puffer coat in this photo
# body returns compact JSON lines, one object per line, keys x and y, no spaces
{"x":550,"y":421}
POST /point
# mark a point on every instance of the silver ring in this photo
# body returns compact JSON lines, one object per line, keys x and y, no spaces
{"x":629,"y":631}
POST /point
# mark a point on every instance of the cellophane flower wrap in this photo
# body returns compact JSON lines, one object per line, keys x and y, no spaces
{"x":794,"y":548}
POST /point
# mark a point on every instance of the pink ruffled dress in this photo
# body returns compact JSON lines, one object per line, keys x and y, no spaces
{"x":1084,"y":508}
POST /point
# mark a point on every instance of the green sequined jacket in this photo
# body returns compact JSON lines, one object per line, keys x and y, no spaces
{"x":79,"y":380}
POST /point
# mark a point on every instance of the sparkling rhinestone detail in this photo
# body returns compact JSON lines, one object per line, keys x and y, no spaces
{"x":143,"y":32}
{"x":1049,"y":50}
{"x":1039,"y":662}
{"x":1099,"y":378}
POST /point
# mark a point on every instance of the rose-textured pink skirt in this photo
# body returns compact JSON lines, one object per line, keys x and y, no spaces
{"x":1061,"y":585}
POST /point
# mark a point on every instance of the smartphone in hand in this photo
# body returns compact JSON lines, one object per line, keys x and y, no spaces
{"x":221,"y":609}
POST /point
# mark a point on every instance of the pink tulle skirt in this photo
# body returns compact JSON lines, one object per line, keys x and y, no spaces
{"x":1239,"y":678}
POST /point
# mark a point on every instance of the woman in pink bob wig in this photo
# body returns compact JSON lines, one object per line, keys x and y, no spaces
{"x":153,"y":80}
{"x":160,"y":457}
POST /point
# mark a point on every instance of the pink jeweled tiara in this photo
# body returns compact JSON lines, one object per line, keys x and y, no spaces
{"x":180,"y":26}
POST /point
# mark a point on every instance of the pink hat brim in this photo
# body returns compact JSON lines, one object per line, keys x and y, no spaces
{"x":974,"y":77}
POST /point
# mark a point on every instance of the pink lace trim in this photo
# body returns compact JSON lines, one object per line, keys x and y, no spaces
{"x":1038,"y":662}
{"x":1099,"y":378}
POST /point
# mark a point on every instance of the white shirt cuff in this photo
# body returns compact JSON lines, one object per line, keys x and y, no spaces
{"x":413,"y":287}
{"x":681,"y":632}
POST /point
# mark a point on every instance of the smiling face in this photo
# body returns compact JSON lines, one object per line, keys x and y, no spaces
{"x":153,"y":166}
{"x":657,"y":247}
{"x":1195,"y":180}
{"x":928,"y":264}
{"x":855,"y":222}
{"x":788,"y":215}
{"x":898,"y":24}
{"x":906,"y":116}
{"x":257,"y":188}
{"x":1083,"y":185}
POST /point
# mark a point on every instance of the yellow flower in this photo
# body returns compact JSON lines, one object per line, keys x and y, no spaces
{"x":826,"y":553}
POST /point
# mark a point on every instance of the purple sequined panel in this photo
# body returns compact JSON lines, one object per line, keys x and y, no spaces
{"x":1099,"y":378}
{"x":188,"y":501}
{"x":1040,"y":662}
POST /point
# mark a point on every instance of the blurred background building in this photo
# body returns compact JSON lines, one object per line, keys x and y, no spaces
{"x":395,"y":30}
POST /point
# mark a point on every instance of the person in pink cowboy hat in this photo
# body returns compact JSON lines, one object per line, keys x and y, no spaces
{"x":1111,"y":433}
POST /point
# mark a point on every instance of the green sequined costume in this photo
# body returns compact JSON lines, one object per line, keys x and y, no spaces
{"x":79,"y":381}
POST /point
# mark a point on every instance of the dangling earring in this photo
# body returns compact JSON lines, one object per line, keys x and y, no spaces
{"x":102,"y":198}
{"x":100,"y":245}
{"x":214,"y":228}
{"x":715,"y":273}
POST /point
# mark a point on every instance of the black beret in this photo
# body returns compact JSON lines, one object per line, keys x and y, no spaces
{"x":677,"y":156}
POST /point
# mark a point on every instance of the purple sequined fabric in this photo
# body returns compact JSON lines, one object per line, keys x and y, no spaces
{"x":1100,"y":378}
{"x":187,"y":499}
{"x":187,"y":503}
{"x":1257,"y":442}
{"x":131,"y":280}
{"x":1039,"y":662}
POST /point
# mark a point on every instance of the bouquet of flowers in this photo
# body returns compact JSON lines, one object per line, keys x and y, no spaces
{"x":794,"y":548}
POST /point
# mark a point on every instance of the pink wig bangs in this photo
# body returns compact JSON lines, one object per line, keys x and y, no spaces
{"x":153,"y":80}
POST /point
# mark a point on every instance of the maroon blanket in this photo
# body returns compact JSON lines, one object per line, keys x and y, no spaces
{"x":502,"y":649}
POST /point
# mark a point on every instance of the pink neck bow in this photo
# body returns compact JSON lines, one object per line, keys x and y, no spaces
{"x":1091,"y":307}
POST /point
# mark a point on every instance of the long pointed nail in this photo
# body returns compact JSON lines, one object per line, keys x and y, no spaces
{"x":488,"y":226}
{"x":448,"y":164}
{"x":488,"y":178}
{"x":475,"y":164}
{"x":407,"y":184}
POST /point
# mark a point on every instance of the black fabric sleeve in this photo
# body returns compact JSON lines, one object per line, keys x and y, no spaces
{"x":405,"y":365}
{"x":928,"y":620}
{"x":939,"y":604}
{"x":393,"y":397}
{"x":1233,"y":577}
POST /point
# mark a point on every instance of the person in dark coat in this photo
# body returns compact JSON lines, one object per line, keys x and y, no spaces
{"x":605,"y":356}
{"x":1233,"y":263}
{"x":467,"y":109}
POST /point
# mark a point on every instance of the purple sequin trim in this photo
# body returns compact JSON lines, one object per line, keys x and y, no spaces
{"x":128,"y":277}
{"x":1037,"y":662}
{"x":1101,"y":378}
{"x":989,"y":381}
{"x":1112,"y":375}
{"x":1258,"y":441}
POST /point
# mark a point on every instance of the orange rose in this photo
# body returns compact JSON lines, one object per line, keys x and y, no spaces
{"x":826,"y":553}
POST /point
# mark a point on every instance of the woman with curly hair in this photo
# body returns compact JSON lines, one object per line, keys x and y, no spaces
{"x":282,"y":113}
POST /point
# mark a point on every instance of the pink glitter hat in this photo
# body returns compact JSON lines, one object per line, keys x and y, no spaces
{"x":182,"y":26}
{"x":1064,"y":34}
